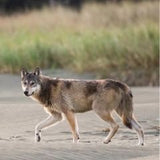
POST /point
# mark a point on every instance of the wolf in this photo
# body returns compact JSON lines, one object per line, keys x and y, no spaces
{"x":65,"y":97}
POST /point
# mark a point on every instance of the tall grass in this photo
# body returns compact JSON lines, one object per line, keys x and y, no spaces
{"x":105,"y":39}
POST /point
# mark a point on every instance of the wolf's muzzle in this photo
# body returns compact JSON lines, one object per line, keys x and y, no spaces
{"x":26,"y":93}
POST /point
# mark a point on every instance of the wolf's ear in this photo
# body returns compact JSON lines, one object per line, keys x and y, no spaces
{"x":23,"y":72}
{"x":37,"y":71}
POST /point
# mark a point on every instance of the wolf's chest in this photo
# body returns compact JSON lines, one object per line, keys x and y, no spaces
{"x":53,"y":108}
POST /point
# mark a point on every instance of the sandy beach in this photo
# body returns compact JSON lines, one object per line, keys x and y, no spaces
{"x":19,"y":115}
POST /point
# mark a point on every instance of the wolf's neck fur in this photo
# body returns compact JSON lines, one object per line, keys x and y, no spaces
{"x":47,"y":87}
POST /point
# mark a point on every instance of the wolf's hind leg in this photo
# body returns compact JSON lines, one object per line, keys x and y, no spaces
{"x":73,"y":124}
{"x":52,"y":119}
{"x":106,"y":116}
{"x":138,"y":130}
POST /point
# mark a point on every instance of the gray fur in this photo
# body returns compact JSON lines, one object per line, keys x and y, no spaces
{"x":67,"y":96}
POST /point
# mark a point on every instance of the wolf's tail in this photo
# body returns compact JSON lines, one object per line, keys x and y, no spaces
{"x":125,"y":108}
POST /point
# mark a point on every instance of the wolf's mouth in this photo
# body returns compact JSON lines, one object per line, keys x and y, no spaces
{"x":27,"y":94}
{"x":31,"y":94}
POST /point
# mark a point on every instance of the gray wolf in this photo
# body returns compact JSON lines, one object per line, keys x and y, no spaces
{"x":65,"y":97}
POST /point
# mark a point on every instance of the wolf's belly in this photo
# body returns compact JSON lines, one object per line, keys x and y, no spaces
{"x":81,"y":105}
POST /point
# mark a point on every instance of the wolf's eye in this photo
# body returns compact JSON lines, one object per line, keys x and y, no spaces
{"x":25,"y":83}
{"x":32,"y":83}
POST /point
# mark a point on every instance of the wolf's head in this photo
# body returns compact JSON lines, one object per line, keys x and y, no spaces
{"x":30,"y":81}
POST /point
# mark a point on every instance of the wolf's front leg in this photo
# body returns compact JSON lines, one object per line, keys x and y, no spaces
{"x":52,"y":119}
{"x":73,"y":124}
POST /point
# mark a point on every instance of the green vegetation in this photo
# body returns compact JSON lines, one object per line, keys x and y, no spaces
{"x":108,"y":40}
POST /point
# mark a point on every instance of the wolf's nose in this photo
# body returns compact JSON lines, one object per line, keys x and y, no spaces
{"x":26,"y":93}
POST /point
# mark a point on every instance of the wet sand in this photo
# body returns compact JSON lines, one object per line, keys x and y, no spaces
{"x":19,"y":115}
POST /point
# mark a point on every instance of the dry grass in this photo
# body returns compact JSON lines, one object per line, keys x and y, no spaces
{"x":115,"y":40}
{"x":92,"y":16}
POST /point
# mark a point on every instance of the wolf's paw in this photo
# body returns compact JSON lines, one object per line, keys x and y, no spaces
{"x":106,"y":141}
{"x":76,"y":140}
{"x":37,"y":137}
{"x":141,"y":144}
